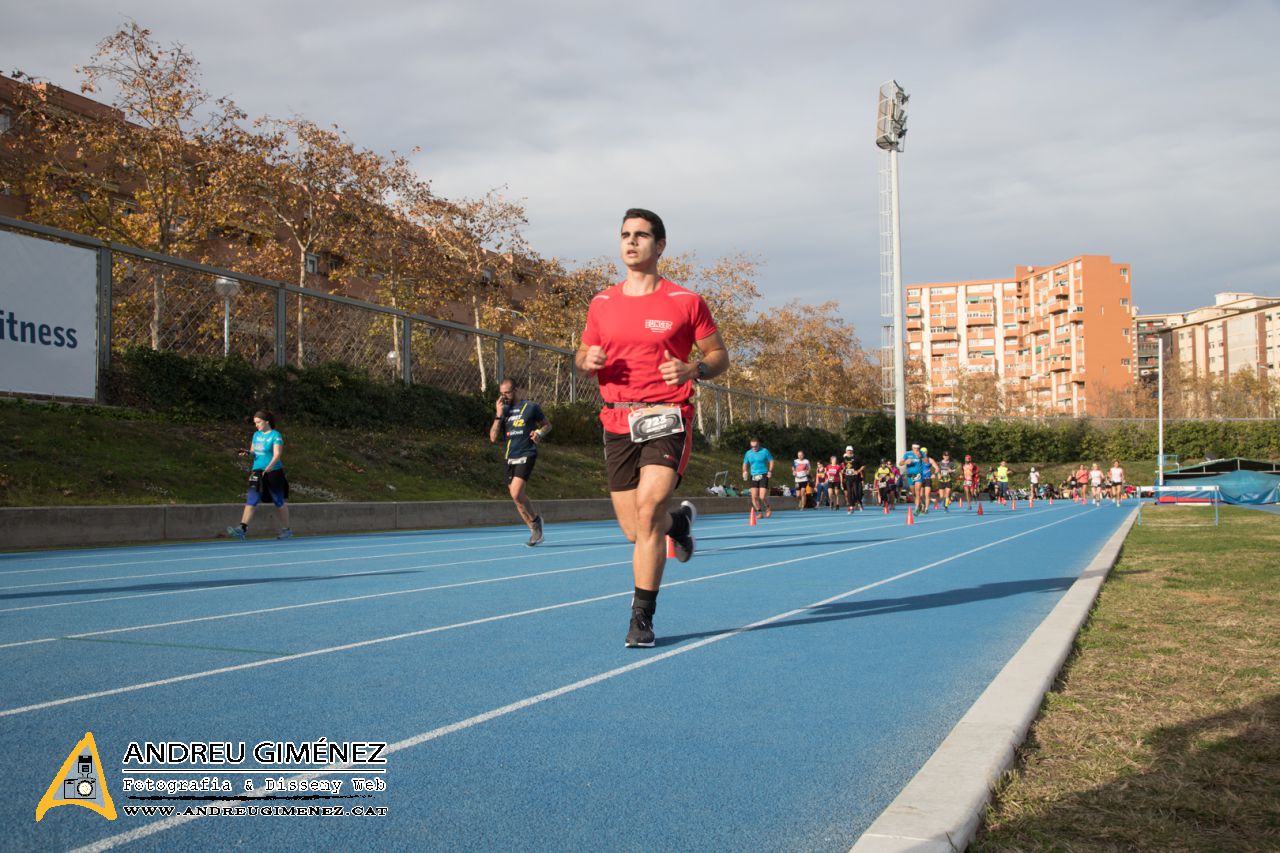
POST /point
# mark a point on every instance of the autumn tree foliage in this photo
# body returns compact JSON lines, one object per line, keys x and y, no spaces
{"x":147,"y":172}
{"x":167,"y":168}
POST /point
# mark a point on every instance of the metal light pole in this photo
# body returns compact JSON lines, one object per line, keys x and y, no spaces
{"x":1160,"y":412}
{"x":891,"y":127}
{"x":226,"y":288}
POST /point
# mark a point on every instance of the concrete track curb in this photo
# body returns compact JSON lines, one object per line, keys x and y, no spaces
{"x":939,"y":810}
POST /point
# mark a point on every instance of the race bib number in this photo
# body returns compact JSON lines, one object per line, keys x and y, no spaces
{"x":655,"y":422}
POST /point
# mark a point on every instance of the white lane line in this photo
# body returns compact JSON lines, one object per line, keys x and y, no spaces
{"x":213,"y":586}
{"x":429,"y":539}
{"x":425,"y":631}
{"x":365,"y":597}
{"x":461,"y":725}
{"x":238,"y":552}
{"x":278,"y":565}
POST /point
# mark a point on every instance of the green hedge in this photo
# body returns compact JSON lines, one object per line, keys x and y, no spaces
{"x":327,"y":394}
{"x":337,"y":395}
{"x":1071,"y":441}
{"x":782,"y":441}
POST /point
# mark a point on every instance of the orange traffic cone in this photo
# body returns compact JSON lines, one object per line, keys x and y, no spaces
{"x":911,"y":518}
{"x":1013,"y":504}
{"x":751,"y":521}
{"x":979,"y":507}
{"x":886,"y":508}
{"x":671,"y":549}
{"x":1050,"y":500}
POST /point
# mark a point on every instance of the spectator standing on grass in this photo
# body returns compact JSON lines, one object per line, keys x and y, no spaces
{"x":522,"y":423}
{"x":266,"y":476}
{"x":1034,"y":478}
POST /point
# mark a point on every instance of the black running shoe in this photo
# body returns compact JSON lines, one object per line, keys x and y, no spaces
{"x":535,"y":535}
{"x":641,"y":634}
{"x":683,"y":545}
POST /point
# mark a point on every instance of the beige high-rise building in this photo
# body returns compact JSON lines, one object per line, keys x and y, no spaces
{"x":1057,"y":338}
{"x":1238,"y":332}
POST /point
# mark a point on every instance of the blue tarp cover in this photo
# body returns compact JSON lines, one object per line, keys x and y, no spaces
{"x":1238,"y":487}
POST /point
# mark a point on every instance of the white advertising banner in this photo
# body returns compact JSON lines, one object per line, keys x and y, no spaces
{"x":48,"y":317}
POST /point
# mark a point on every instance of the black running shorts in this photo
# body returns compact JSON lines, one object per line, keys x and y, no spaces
{"x":522,"y":469}
{"x":623,"y":458}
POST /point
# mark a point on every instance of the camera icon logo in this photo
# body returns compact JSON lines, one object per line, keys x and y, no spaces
{"x":79,"y":782}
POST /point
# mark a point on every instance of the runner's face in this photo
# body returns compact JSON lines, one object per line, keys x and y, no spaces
{"x":640,"y":251}
{"x":262,"y":425}
{"x":506,"y":392}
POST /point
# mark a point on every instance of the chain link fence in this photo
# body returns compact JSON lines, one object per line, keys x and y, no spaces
{"x":197,"y":310}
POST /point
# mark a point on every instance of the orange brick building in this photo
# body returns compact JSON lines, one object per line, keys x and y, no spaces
{"x":1057,"y":338}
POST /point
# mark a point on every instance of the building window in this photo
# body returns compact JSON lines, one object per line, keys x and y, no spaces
{"x":312,"y":262}
{"x":1125,"y":332}
{"x":6,"y":121}
{"x":1125,"y":362}
{"x":1124,"y":301}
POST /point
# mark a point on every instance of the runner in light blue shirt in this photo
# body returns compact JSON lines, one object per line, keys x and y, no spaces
{"x":757,"y":467}
{"x":266,"y":479}
{"x":912,"y":465}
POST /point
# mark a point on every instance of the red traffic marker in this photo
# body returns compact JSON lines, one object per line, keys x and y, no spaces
{"x":751,"y":521}
{"x":979,"y":507}
{"x":671,"y":549}
{"x":911,"y":518}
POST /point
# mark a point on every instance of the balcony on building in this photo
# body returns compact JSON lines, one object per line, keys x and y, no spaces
{"x":951,"y":335}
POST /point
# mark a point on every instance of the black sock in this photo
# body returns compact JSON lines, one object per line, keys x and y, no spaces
{"x":244,"y":528}
{"x":679,"y":525}
{"x":645,"y":599}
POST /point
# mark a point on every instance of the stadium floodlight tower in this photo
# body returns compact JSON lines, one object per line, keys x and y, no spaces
{"x":891,"y":127}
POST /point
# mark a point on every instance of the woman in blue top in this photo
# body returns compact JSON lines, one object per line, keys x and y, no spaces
{"x":267,"y":476}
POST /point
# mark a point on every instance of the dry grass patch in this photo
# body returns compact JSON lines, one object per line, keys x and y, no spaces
{"x":1164,"y":731}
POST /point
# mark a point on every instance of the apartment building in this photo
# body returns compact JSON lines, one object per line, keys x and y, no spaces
{"x":1056,"y":337}
{"x":1239,"y":332}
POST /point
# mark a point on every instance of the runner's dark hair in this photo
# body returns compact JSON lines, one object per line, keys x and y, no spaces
{"x":654,"y":220}
{"x":266,"y":416}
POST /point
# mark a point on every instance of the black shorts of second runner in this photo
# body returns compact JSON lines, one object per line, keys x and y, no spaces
{"x":522,"y":468}
{"x":623,"y":458}
{"x":272,"y":484}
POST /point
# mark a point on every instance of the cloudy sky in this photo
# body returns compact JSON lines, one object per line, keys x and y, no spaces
{"x":1148,"y":131}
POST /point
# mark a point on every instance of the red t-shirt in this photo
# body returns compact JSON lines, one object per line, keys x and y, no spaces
{"x":833,"y":472}
{"x":635,"y":332}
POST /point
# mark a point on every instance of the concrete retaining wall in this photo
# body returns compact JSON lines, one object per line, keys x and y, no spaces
{"x":59,"y":527}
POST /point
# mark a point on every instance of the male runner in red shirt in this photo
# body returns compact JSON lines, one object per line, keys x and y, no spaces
{"x":637,"y":342}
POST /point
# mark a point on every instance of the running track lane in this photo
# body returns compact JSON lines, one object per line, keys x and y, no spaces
{"x":806,"y":668}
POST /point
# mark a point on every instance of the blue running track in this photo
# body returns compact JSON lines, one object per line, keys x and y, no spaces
{"x":805,"y":669}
